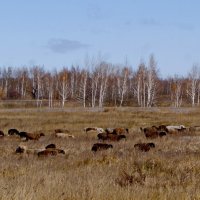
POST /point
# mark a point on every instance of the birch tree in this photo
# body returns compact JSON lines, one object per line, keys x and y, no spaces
{"x":103,"y":78}
{"x":139,"y":85}
{"x":37,"y":93}
{"x":112,"y":89}
{"x":151,"y":82}
{"x":63,"y":86}
{"x":192,"y":86}
{"x":83,"y":85}
{"x":94,"y":81}
{"x":122,"y":84}
{"x":49,"y":88}
{"x":176,"y":91}
{"x":7,"y":73}
{"x":82,"y":95}
{"x":22,"y":76}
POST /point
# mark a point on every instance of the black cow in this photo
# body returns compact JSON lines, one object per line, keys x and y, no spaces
{"x":50,"y":146}
{"x":13,"y":131}
{"x":101,"y":146}
{"x":144,"y":146}
{"x":111,"y":137}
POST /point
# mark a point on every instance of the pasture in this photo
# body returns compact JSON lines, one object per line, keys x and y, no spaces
{"x":171,"y":170}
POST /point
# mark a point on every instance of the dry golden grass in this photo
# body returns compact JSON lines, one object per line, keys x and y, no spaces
{"x":170,"y":171}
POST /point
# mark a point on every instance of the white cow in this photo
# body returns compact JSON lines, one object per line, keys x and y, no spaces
{"x":176,"y":128}
{"x":99,"y":130}
{"x":64,"y":135}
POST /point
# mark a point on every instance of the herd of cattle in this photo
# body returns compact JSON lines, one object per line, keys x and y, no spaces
{"x":116,"y":134}
{"x":103,"y":135}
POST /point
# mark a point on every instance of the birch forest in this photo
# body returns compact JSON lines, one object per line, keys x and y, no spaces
{"x":98,"y":84}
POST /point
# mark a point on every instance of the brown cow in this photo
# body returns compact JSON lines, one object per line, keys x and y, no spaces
{"x":51,"y":152}
{"x":153,"y":132}
{"x":149,"y":129}
{"x":101,"y":146}
{"x":117,"y":131}
{"x":113,"y":137}
{"x":48,"y":152}
{"x":144,"y":146}
{"x":33,"y":136}
{"x":120,"y":131}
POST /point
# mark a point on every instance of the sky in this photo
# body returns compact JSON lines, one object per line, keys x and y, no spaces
{"x":60,"y":33}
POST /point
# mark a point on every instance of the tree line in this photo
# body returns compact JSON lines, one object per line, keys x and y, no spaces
{"x":99,"y":83}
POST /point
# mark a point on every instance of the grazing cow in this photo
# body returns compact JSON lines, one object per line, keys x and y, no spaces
{"x":89,"y":129}
{"x":13,"y":131}
{"x":102,"y":136}
{"x":64,"y":135}
{"x":30,"y":136}
{"x":98,"y":130}
{"x":53,"y":147}
{"x":162,"y":133}
{"x":47,"y":152}
{"x":50,"y":146}
{"x":61,"y":131}
{"x":22,"y":134}
{"x":149,"y":129}
{"x":112,"y":137}
{"x":144,"y":146}
{"x":119,"y":131}
{"x":178,"y":128}
{"x":20,"y":149}
{"x":163,"y":128}
{"x":109,"y":130}
{"x":150,"y":132}
{"x":153,"y":132}
{"x":101,"y":146}
{"x":23,"y":149}
{"x":51,"y":152}
{"x":34,"y":136}
{"x":2,"y":134}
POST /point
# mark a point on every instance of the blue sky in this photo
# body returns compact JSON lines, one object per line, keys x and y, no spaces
{"x":61,"y":33}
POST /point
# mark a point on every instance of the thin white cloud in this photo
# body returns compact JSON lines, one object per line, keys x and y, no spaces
{"x":64,"y":45}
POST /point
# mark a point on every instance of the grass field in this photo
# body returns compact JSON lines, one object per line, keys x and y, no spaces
{"x":170,"y":171}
